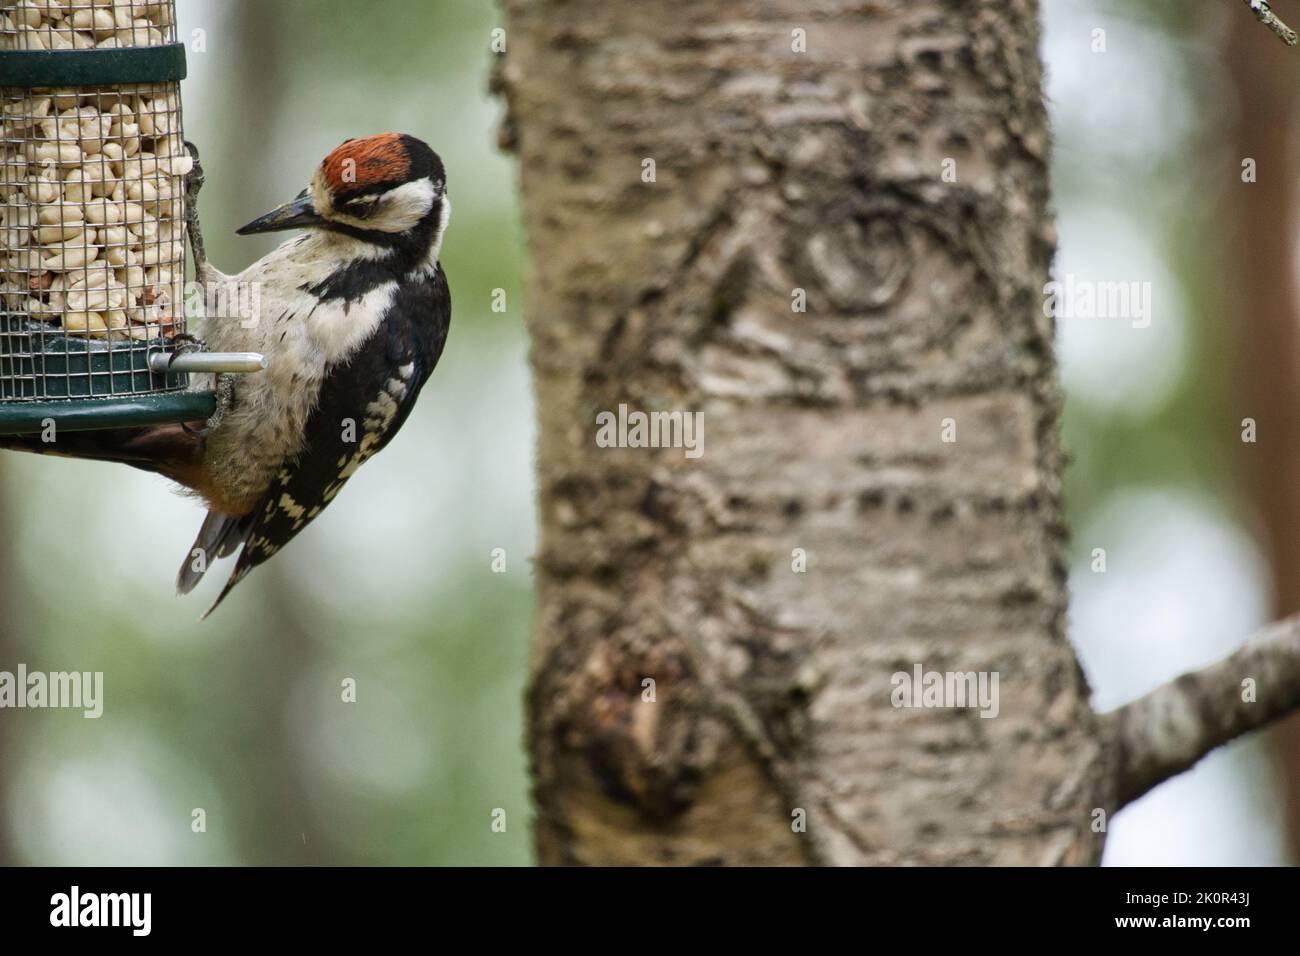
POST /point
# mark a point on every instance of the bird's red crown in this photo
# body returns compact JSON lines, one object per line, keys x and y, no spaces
{"x":363,"y":162}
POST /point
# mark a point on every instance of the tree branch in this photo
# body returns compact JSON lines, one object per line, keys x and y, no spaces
{"x":1265,"y":15}
{"x":1171,"y":728}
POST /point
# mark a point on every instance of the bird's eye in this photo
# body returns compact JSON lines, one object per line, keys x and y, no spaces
{"x":362,"y":206}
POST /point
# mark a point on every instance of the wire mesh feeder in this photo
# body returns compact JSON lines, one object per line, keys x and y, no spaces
{"x":92,"y":217}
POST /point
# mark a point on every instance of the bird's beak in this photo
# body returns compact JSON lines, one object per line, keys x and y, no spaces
{"x":292,"y":215}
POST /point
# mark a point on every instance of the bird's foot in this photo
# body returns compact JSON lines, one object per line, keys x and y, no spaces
{"x":194,"y":180}
{"x":222,"y":385}
{"x":187,"y":344}
{"x":225,"y":390}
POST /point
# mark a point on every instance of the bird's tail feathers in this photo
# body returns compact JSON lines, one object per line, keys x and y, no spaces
{"x":240,"y":572}
{"x":218,"y":537}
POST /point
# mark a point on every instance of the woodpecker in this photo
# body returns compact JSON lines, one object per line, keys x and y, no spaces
{"x":352,"y":316}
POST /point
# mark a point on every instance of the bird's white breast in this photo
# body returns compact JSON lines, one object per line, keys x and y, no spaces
{"x":270,"y":310}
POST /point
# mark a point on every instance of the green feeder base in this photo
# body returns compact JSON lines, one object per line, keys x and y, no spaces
{"x":83,"y":384}
{"x":74,"y":414}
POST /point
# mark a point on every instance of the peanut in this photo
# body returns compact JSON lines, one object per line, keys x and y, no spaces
{"x":91,"y":212}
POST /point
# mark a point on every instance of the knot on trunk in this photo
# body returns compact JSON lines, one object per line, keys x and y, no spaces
{"x":631,"y":715}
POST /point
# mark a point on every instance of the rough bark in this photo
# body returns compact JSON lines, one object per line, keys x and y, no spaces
{"x":779,"y":171}
{"x":1265,"y":15}
{"x":771,"y":736}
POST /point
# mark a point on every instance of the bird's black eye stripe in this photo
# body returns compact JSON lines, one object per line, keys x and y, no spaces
{"x":362,"y":206}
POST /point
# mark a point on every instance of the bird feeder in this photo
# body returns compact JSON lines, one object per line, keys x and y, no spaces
{"x":92,"y":218}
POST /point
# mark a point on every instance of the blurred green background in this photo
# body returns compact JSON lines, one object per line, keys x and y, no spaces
{"x":242,"y":716}
{"x":1155,"y":107}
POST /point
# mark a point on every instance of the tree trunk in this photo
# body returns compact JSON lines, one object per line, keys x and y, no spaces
{"x":780,"y":176}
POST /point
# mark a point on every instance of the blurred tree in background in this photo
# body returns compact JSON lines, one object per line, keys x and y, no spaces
{"x":1261,"y":260}
{"x":1154,"y":107}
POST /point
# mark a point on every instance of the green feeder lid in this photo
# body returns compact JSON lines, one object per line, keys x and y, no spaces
{"x":127,"y":65}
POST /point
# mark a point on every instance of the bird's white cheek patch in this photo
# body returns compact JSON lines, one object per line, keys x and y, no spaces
{"x":405,"y":206}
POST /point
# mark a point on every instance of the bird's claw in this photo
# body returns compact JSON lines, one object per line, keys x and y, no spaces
{"x":225,"y":392}
{"x":194,"y":180}
{"x":223,"y":386}
{"x":186,"y":344}
{"x":224,"y":389}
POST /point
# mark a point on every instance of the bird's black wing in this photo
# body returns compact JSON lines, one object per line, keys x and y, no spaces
{"x":363,"y":402}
